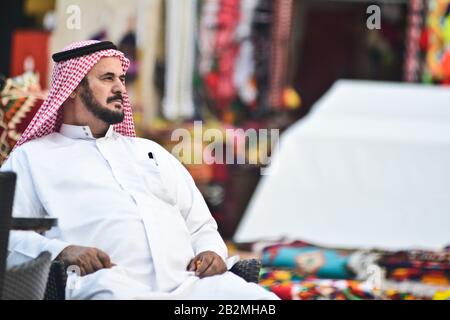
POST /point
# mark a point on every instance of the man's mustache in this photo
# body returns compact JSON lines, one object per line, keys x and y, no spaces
{"x":115,"y":97}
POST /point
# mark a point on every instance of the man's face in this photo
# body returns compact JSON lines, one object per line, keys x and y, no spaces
{"x":102,"y":90}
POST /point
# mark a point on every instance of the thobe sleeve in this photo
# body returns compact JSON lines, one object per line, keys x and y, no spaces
{"x":200,"y":222}
{"x":26,"y":245}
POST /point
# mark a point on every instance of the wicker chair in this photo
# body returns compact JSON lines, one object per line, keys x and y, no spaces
{"x":56,"y":285}
{"x":28,"y":281}
{"x":7,"y":188}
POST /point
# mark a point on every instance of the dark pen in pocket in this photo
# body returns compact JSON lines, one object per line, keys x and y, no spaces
{"x":150,"y":155}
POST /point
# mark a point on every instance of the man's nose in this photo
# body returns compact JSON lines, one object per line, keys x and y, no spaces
{"x":118,"y":87}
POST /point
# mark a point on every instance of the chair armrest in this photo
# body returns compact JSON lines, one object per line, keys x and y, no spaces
{"x":56,"y":284}
{"x":248,"y":269}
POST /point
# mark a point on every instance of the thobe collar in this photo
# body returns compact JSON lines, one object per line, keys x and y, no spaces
{"x":82,"y":132}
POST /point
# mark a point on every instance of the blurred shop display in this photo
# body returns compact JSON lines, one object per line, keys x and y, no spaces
{"x":415,"y":38}
{"x":244,"y":58}
{"x":332,"y":41}
{"x":30,"y":53}
{"x":232,"y":64}
{"x":435,"y":41}
{"x":428,"y":37}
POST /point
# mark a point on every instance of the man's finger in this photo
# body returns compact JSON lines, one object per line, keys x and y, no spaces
{"x":104,"y":259}
{"x":86,"y":265}
{"x":191,"y":266}
{"x":203,"y":265}
{"x":216,"y":267}
{"x":199,"y":265}
{"x":96,"y":264}
{"x":209,"y":271}
{"x":213,"y":269}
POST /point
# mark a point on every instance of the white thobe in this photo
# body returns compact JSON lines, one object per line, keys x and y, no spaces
{"x":126,"y":196}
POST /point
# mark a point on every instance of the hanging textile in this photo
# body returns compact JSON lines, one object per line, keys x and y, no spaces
{"x":262,"y":26}
{"x":207,"y":35}
{"x":280,"y":51}
{"x":412,"y":66}
{"x":227,"y":49}
{"x":226,"y":57}
{"x":180,"y":57}
{"x":149,"y":43}
{"x":241,"y":68}
{"x":436,"y":42}
{"x":218,"y":53}
{"x":230,"y":44}
{"x":245,"y":67}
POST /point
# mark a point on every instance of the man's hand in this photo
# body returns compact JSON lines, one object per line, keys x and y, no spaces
{"x":207,"y":264}
{"x":88,"y":259}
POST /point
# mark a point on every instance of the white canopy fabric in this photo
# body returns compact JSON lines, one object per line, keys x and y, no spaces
{"x":368,"y":168}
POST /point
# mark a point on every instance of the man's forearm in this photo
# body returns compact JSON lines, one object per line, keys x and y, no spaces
{"x":27,"y":245}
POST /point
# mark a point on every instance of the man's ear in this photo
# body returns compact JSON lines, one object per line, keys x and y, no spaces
{"x":83,"y":83}
{"x":75,"y":92}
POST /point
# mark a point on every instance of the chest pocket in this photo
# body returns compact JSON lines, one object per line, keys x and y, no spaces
{"x":140,"y":173}
{"x":150,"y":174}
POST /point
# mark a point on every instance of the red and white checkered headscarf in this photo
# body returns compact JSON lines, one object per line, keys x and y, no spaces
{"x":66,"y":77}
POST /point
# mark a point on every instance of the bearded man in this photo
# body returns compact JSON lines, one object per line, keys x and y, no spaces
{"x":129,"y":214}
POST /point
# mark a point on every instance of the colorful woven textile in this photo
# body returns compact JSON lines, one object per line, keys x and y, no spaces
{"x":432,"y":267}
{"x":302,"y":271}
{"x":18,"y":105}
{"x":309,"y":260}
{"x":289,"y":285}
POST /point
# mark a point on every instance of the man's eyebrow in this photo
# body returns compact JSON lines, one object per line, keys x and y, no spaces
{"x":112,"y":74}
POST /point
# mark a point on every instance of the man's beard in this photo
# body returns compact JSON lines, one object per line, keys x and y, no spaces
{"x":98,"y":110}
